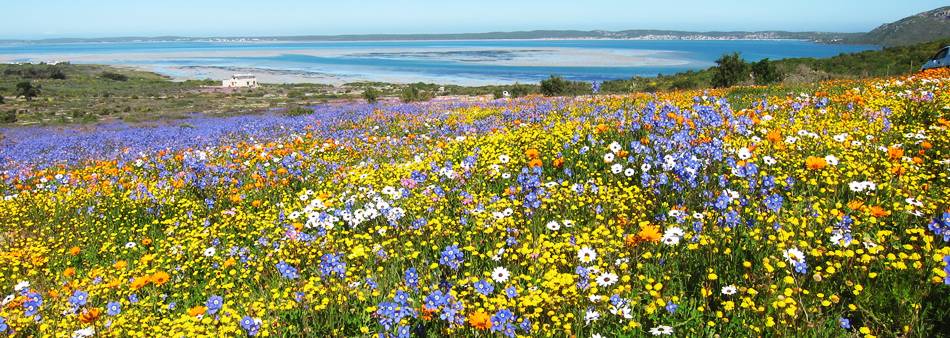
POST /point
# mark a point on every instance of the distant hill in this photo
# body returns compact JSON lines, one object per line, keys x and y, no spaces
{"x":923,"y":27}
{"x":637,"y":34}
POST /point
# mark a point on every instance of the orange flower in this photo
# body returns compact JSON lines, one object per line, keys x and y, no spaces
{"x":146,"y":241}
{"x":774,"y":136}
{"x":69,"y":272}
{"x":558,"y":162}
{"x":532,"y":153}
{"x":197,"y":310}
{"x":535,"y":163}
{"x":601,"y":128}
{"x":855,"y":205}
{"x":89,"y":315}
{"x":895,"y":153}
{"x":878,"y":212}
{"x":815,"y":163}
{"x":426,"y":313}
{"x":479,"y":320}
{"x":120,"y":265}
{"x":649,"y":233}
{"x":139,"y":282}
{"x":74,"y":250}
{"x":160,"y":278}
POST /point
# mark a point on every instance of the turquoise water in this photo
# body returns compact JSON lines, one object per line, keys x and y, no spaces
{"x":463,"y":62}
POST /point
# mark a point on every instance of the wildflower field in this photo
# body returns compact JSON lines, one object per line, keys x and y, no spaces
{"x":753,"y":212}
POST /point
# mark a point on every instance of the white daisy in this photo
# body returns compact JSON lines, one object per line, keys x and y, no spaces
{"x":22,"y":285}
{"x":591,"y":316}
{"x":608,"y":158}
{"x":553,"y":226}
{"x":607,"y":279}
{"x":661,"y":330}
{"x":210,"y":251}
{"x":500,"y":275}
{"x":615,"y":147}
{"x":794,"y":256}
{"x":832,"y":160}
{"x":744,"y":153}
{"x":769,"y":160}
{"x":616,"y":168}
{"x":586,"y":254}
{"x":729,"y":290}
{"x":504,"y":158}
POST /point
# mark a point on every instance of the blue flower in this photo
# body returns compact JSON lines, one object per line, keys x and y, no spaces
{"x":671,"y":307}
{"x":79,"y":298}
{"x":250,"y":325}
{"x":412,"y":278}
{"x":845,"y":323}
{"x":774,"y":202}
{"x":484,"y":287}
{"x":511,"y":292}
{"x":286,"y":270}
{"x":452,"y":257}
{"x":214,"y":304}
{"x":333,"y":264}
{"x":3,"y":324}
{"x":114,"y":308}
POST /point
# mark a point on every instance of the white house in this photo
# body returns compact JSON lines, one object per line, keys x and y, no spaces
{"x":240,"y":80}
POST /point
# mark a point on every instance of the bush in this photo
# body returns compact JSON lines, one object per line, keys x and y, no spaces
{"x":114,"y":76}
{"x":371,"y":95}
{"x":765,"y":72}
{"x":27,"y":90}
{"x":298,"y":111}
{"x":557,"y":86}
{"x":412,"y":93}
{"x":554,"y":86}
{"x":8,"y":117}
{"x":729,"y":70}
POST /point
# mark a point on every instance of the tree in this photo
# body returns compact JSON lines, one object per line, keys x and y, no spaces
{"x":371,"y":95}
{"x":554,"y":86}
{"x":729,"y":70}
{"x":8,"y":117}
{"x":28,"y":90}
{"x":765,"y":72}
{"x":412,"y":93}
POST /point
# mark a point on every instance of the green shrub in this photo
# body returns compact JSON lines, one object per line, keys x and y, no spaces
{"x":298,"y":111}
{"x":765,"y":72}
{"x":8,"y":117}
{"x":729,"y":70}
{"x":114,"y":76}
{"x":371,"y":95}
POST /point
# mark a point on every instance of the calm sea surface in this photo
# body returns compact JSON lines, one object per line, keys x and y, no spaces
{"x":462,"y":62}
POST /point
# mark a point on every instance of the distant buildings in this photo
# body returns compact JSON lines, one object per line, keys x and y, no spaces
{"x":240,"y":81}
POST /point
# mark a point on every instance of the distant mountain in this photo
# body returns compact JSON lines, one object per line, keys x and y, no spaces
{"x":640,"y":34}
{"x":927,"y":26}
{"x":923,"y":27}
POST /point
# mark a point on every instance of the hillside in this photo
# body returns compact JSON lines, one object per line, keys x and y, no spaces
{"x":888,"y":61}
{"x":923,"y":27}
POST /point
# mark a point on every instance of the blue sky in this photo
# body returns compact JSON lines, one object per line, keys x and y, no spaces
{"x":100,"y":18}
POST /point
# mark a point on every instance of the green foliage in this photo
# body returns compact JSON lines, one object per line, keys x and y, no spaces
{"x":413,"y":93}
{"x":114,"y":76}
{"x":558,"y":86}
{"x":765,"y":72}
{"x":8,"y":116}
{"x":298,"y":111}
{"x":27,"y":90}
{"x":36,"y":72}
{"x":729,"y":71}
{"x":371,"y":95}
